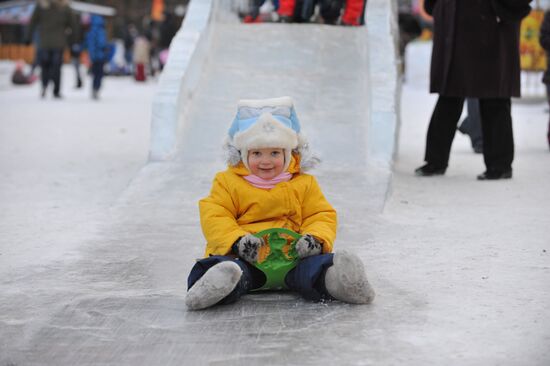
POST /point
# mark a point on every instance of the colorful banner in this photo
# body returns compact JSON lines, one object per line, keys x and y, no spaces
{"x":533,"y":57}
{"x":157,"y":10}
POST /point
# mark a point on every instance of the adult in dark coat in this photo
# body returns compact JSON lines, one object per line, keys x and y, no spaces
{"x":53,"y":20}
{"x":545,"y":43}
{"x":475,"y":54}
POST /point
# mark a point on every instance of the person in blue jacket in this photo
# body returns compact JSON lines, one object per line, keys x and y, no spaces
{"x":98,"y":51}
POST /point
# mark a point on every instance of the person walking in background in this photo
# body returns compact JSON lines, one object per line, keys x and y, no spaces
{"x":545,"y":43}
{"x":168,"y":29}
{"x":141,"y":57}
{"x":471,"y":125}
{"x":76,"y":50}
{"x":254,"y":14}
{"x":36,"y":61}
{"x":98,"y":51}
{"x":130,"y":35}
{"x":476,"y":55}
{"x":346,"y":12}
{"x":53,"y":20}
{"x":409,"y":29}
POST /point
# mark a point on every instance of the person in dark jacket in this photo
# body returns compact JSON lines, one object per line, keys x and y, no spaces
{"x":545,"y":43}
{"x":475,"y":54}
{"x":53,"y":20}
{"x":76,"y":50}
{"x":98,"y":51}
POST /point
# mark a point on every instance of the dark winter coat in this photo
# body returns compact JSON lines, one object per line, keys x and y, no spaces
{"x":53,"y":20}
{"x":476,"y":47}
{"x":96,"y":40}
{"x":545,"y":43}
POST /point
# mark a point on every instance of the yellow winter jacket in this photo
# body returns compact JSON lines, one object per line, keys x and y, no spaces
{"x":235,"y":208}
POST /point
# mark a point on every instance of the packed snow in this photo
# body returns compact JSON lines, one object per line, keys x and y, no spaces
{"x":96,"y":244}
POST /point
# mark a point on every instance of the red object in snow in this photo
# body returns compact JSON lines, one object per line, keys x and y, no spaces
{"x":353,"y":11}
{"x":249,"y":19}
{"x":286,"y":8}
{"x":140,"y":72}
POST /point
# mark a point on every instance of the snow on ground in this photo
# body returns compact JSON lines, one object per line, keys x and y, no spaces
{"x":461,"y":267}
{"x":63,"y":162}
{"x":472,"y":257}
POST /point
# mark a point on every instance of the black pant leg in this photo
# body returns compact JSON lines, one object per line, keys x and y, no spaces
{"x":97,"y":71}
{"x":474,"y":121}
{"x":441,"y":131}
{"x":548,"y":97}
{"x":255,"y":8}
{"x":498,"y":137}
{"x":57,"y":61}
{"x":45,"y":66}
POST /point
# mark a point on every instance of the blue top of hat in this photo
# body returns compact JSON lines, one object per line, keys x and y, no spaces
{"x":247,"y":116}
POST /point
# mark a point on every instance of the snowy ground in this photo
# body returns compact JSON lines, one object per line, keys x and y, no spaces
{"x":470,"y":259}
{"x":63,"y":162}
{"x":93,"y":273}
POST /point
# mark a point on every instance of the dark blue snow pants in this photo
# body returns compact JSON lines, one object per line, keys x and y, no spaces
{"x":51,"y":60}
{"x":307,"y":278}
{"x":97,"y":73}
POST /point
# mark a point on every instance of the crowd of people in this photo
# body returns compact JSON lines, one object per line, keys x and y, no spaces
{"x":340,"y":12}
{"x":143,"y":51}
{"x":55,"y":27}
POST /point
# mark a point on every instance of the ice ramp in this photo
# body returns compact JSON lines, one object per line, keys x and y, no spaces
{"x":343,"y":81}
{"x":120,"y":300}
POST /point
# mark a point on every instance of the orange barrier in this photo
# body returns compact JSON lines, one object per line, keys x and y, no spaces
{"x":17,"y":52}
{"x":26,"y":53}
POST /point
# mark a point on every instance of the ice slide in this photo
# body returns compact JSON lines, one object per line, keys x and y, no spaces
{"x":122,"y":300}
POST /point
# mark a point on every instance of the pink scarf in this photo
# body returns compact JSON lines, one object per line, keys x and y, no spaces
{"x":267,"y":184}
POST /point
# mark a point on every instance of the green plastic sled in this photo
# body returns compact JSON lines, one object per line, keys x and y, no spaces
{"x":277,"y":264}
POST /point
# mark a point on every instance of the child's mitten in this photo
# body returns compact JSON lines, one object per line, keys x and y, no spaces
{"x":247,"y":247}
{"x":307,"y":245}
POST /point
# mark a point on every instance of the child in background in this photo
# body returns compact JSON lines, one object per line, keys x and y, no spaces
{"x":98,"y":51}
{"x":18,"y":76}
{"x":141,"y":57}
{"x":265,"y":187}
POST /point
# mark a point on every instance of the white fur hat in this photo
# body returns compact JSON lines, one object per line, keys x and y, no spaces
{"x":264,"y":123}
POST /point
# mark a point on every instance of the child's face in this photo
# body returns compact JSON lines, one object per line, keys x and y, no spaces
{"x":266,"y":163}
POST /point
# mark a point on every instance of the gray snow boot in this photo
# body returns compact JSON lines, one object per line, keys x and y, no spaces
{"x":346,"y":280}
{"x":214,"y":285}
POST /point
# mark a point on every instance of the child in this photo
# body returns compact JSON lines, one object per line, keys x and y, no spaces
{"x":142,"y":50}
{"x":265,"y":187}
{"x":18,"y":76}
{"x":98,"y":50}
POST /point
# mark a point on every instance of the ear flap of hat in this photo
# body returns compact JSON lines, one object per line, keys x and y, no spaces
{"x":232,"y":154}
{"x":308,"y":159}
